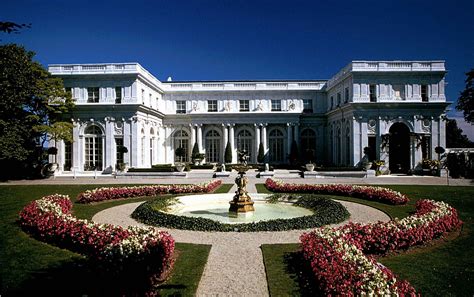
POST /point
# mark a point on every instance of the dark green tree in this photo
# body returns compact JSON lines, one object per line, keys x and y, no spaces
{"x":195,"y":153}
{"x":455,"y":137}
{"x":30,"y":101}
{"x":228,"y":153}
{"x":466,"y":100}
{"x":261,"y":153}
{"x":11,"y":27}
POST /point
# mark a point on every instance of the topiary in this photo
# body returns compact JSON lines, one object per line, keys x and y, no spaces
{"x":228,"y":153}
{"x":261,"y":154}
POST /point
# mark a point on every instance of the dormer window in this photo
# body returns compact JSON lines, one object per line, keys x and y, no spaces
{"x":181,"y":106}
{"x":424,"y":93}
{"x":276,"y":105}
{"x":307,"y":105}
{"x":244,"y":105}
{"x":118,"y":95}
{"x":212,"y":105}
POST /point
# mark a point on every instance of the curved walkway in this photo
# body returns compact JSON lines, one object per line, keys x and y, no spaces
{"x":235,"y":264}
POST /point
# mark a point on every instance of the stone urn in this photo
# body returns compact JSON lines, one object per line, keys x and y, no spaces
{"x":180,"y":167}
{"x":310,"y":167}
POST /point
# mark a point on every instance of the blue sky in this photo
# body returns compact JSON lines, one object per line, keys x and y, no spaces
{"x":219,"y":40}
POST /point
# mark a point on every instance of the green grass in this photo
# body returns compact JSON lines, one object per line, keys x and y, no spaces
{"x":31,"y":267}
{"x":261,"y":189}
{"x":443,"y":268}
{"x":224,"y":188}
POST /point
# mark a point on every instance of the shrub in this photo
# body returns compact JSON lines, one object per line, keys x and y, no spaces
{"x":228,"y":153}
{"x":337,"y":255}
{"x":364,"y":192}
{"x":102,"y":194}
{"x":261,"y":153}
{"x":130,"y":251}
{"x":326,"y":211}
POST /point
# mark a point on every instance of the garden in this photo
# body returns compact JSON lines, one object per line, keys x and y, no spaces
{"x":65,"y":258}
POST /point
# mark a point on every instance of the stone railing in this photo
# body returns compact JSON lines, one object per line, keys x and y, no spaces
{"x":211,"y":86}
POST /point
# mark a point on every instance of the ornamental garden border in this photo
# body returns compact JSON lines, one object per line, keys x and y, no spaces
{"x":342,"y":259}
{"x":127,"y":253}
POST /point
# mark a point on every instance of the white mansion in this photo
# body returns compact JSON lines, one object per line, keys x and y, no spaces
{"x":396,"y":108}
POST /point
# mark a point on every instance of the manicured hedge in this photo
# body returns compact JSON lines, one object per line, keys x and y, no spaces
{"x":326,"y":211}
{"x":364,"y":192}
{"x":132,"y":252}
{"x":102,"y":194}
{"x":338,"y":255}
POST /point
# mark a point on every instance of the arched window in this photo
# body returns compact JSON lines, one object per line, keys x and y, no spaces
{"x":245,"y":142}
{"x":275,"y":143}
{"x":213,"y":146}
{"x":93,"y":148}
{"x":308,"y":144}
{"x":181,"y":139}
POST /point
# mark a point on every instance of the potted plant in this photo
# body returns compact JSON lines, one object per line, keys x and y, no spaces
{"x":309,"y":157}
{"x":196,"y":156}
{"x":52,"y":167}
{"x":365,"y":163}
{"x":378,"y":163}
{"x":180,"y":153}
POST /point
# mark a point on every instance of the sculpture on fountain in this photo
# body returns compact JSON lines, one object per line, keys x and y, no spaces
{"x":242,"y":202}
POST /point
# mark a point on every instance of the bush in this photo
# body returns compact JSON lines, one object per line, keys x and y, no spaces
{"x":261,"y":153}
{"x":228,"y":153}
{"x":131,"y":251}
{"x":326,"y":211}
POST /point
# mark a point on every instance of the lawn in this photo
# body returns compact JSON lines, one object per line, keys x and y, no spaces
{"x":30,"y":267}
{"x":444,"y":268}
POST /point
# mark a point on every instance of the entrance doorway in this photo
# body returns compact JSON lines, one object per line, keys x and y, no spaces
{"x":399,"y":148}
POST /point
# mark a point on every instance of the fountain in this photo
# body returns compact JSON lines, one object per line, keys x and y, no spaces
{"x":241,"y":203}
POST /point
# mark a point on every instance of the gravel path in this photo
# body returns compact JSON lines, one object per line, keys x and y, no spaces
{"x":235,"y":258}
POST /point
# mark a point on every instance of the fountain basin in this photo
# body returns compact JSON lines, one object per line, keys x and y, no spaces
{"x":216,"y":208}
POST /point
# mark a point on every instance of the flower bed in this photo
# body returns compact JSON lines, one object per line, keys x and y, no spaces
{"x":337,"y":255}
{"x":102,"y":194}
{"x":131,"y":250}
{"x":364,"y":192}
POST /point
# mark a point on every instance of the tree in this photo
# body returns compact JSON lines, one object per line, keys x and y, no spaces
{"x":454,"y":136}
{"x":466,"y":100}
{"x":228,"y":153}
{"x":261,"y":153}
{"x":195,"y":152}
{"x":30,"y":100}
{"x":11,"y":27}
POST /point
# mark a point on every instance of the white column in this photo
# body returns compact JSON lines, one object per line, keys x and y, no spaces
{"x":169,"y":156}
{"x":264,"y":141}
{"x":193,"y":134}
{"x":76,"y":148}
{"x":289,"y":132}
{"x":225,"y":139}
{"x":109,"y":149}
{"x":127,"y":142}
{"x":257,"y":141}
{"x":199,"y":137}
{"x":296,"y":137}
{"x":134,"y":146}
{"x":232,"y":145}
{"x":357,"y":142}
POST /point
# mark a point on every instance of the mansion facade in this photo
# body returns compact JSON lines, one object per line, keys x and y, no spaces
{"x":396,"y":108}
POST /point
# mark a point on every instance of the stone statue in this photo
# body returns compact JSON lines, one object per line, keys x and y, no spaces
{"x":267,"y":167}
{"x":259,"y":106}
{"x":223,"y":168}
{"x":227,"y":106}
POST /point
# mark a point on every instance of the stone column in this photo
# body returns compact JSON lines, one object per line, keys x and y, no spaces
{"x":257,"y":141}
{"x":127,"y":137}
{"x":232,"y":144}
{"x":76,"y":148}
{"x":133,"y":151}
{"x":199,"y":137}
{"x":225,"y":139}
{"x":109,"y":149}
{"x":264,"y":141}
{"x":296,"y":136}
{"x":192,"y":129}
{"x":169,"y":156}
{"x":289,"y":132}
{"x":357,"y":141}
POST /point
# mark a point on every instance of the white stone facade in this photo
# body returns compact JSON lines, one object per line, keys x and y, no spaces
{"x":394,"y":107}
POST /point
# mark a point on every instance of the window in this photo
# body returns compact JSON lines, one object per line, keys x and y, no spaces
{"x":373,"y":93}
{"x":308,"y":144}
{"x":276,"y":105}
{"x":150,"y":100}
{"x":213,"y":146}
{"x":245,"y":142}
{"x":425,"y":147}
{"x":181,"y":106}
{"x":93,"y":147}
{"x":307,"y":105}
{"x":92,"y":95}
{"x":118,"y":95}
{"x":181,"y":139}
{"x":332,"y":102}
{"x":424,"y":93}
{"x":119,"y":143}
{"x":244,"y":105}
{"x":346,"y":95}
{"x":212,"y":105}
{"x":338,"y":99}
{"x":399,"y":92}
{"x":67,"y":156}
{"x":143,"y":96}
{"x":275,"y":146}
